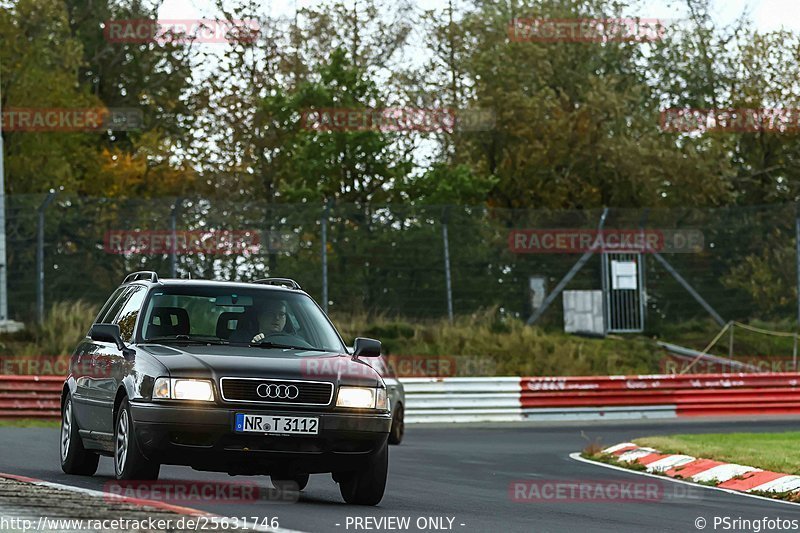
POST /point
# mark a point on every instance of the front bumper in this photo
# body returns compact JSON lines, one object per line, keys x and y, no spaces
{"x":203,"y":438}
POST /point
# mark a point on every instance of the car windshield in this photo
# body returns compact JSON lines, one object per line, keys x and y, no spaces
{"x":258,"y":317}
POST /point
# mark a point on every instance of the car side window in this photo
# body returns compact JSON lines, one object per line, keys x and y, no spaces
{"x":113,"y":310}
{"x":126,"y":318}
{"x":109,"y":303}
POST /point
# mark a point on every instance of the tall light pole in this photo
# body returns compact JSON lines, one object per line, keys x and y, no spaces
{"x":3,"y":266}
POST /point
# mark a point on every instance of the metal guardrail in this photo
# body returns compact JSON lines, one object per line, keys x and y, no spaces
{"x":30,"y":396}
{"x":599,"y":397}
{"x":462,"y":400}
{"x":513,"y":399}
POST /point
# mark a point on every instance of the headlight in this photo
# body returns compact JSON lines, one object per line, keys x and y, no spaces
{"x":362,"y":398}
{"x":183,"y":389}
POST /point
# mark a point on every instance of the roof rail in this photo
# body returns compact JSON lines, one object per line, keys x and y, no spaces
{"x":147,"y":275}
{"x":283,"y":282}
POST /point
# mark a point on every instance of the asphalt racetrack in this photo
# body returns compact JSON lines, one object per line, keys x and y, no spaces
{"x":459,"y":477}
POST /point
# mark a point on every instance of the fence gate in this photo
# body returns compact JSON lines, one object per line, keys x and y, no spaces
{"x":623,"y":292}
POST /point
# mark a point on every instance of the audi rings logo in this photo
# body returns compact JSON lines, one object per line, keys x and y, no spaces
{"x":277,"y":392}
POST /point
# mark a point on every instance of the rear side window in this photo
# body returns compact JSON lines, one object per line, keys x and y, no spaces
{"x":126,"y":319}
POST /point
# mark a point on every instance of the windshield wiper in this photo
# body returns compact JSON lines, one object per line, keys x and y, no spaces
{"x":184,"y":339}
{"x":269,"y":344}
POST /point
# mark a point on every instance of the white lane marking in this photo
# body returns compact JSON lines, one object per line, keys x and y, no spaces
{"x":612,"y":449}
{"x":662,"y":465}
{"x":577,"y":457}
{"x":724,"y":472}
{"x":781,"y":484}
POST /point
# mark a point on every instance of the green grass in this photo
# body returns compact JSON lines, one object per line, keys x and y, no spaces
{"x":778,"y":452}
{"x":508,"y":347}
{"x":29,"y":423}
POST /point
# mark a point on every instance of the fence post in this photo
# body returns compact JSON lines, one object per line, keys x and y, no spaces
{"x":40,"y":255}
{"x":3,"y":251}
{"x":446,"y":241}
{"x":324,"y":223}
{"x":797,"y":261}
{"x":730,"y":340}
{"x":173,"y":222}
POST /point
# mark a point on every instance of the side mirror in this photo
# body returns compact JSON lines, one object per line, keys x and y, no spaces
{"x":364,"y":347}
{"x":107,"y":333}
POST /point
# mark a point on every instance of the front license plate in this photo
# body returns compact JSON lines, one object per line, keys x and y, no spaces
{"x":277,"y":425}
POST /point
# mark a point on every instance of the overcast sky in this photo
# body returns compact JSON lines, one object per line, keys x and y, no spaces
{"x":767,"y":14}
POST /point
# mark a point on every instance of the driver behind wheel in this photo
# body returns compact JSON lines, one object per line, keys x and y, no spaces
{"x":271,"y":319}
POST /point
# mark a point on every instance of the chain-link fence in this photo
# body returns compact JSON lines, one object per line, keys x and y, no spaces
{"x":418,"y":262}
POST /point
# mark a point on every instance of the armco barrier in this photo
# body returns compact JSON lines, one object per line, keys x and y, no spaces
{"x":511,"y":399}
{"x":30,"y":396}
{"x":598,"y":398}
{"x":688,"y":395}
{"x":462,"y":400}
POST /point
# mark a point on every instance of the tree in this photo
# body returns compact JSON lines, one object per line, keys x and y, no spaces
{"x":153,"y":77}
{"x":37,"y":74}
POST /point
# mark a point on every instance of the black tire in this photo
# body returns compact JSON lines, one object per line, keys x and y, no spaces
{"x":75,"y":459}
{"x":132,"y":464}
{"x":291,"y":483}
{"x":366,"y":486}
{"x":398,"y":425}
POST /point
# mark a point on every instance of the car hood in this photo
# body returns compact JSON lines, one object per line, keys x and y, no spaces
{"x":270,"y":363}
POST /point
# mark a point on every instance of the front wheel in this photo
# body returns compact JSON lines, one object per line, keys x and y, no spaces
{"x":366,"y":486}
{"x":129,"y":462}
{"x":75,"y":459}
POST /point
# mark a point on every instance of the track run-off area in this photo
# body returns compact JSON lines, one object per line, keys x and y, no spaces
{"x":463,"y":478}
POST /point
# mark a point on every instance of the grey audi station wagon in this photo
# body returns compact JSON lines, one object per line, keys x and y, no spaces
{"x":243,"y":378}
